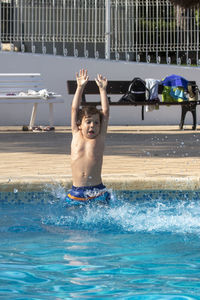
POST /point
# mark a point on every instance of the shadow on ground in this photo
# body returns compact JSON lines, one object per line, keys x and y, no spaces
{"x":134,"y":144}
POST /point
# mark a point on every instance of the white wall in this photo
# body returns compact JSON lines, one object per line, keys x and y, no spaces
{"x":56,"y":70}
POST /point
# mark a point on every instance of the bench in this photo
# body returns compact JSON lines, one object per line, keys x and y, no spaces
{"x":121,"y":87}
{"x":27,"y":88}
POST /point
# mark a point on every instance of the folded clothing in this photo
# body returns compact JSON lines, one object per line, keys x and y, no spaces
{"x":42,"y":93}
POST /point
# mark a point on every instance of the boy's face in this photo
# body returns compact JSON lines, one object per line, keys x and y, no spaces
{"x":90,"y":126}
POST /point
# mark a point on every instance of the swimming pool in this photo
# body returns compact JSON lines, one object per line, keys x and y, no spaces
{"x":145,"y":245}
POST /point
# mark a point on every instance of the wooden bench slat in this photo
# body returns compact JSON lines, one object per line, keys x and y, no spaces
{"x":20,"y":74}
{"x":17,"y":90}
{"x":113,"y":87}
{"x":16,"y":83}
{"x":184,"y":103}
{"x":29,"y":101}
{"x":20,"y":83}
{"x":28,"y":97}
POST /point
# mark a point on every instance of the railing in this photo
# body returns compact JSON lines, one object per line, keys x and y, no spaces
{"x":140,"y":30}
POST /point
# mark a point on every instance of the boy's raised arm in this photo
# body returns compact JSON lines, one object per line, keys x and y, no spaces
{"x":102,"y":84}
{"x":82,"y":79}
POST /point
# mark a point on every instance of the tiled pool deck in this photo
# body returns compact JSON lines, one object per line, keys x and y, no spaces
{"x":136,"y":158}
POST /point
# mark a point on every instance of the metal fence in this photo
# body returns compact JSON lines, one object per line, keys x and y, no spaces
{"x":140,"y":30}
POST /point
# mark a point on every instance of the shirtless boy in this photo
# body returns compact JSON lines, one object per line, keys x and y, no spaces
{"x":89,"y":127}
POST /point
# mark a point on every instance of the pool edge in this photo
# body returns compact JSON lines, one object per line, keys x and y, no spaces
{"x":115,"y":181}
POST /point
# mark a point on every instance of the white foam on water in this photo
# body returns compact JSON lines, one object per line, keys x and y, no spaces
{"x":156,"y":215}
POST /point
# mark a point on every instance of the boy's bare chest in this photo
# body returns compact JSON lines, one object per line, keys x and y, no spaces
{"x":89,"y":149}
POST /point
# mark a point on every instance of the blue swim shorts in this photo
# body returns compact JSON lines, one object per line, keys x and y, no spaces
{"x":78,"y":195}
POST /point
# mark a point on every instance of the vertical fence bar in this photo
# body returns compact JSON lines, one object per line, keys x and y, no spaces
{"x":46,"y":27}
{"x":0,"y":26}
{"x":161,"y":45}
{"x":172,"y":30}
{"x":116,"y":28}
{"x":89,"y":33}
{"x":6,"y":21}
{"x":71,"y":27}
{"x":133,"y":29}
{"x":57,"y":23}
{"x":168,"y":59}
{"x":96,"y":55}
{"x":157,"y":29}
{"x":187,"y":38}
{"x":177,"y":34}
{"x":107,"y":33}
{"x":130,"y":38}
{"x":24,"y":27}
{"x":21,"y":26}
{"x":43,"y":24}
{"x":37,"y":22}
{"x":64,"y":28}
{"x":191,"y":37}
{"x":85,"y":21}
{"x":32,"y":28}
{"x":53,"y":27}
{"x":120,"y":18}
{"x":18,"y":27}
{"x":147,"y":32}
{"x":10,"y":20}
{"x":75,"y":50}
{"x":197,"y":34}
{"x":136,"y":32}
{"x":126,"y":32}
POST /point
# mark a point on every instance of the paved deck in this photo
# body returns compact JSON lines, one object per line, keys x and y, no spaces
{"x":136,"y":157}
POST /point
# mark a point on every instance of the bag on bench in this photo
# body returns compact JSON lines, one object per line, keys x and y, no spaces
{"x":137,"y":92}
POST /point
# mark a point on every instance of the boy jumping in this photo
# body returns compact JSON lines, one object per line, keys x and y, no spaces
{"x":89,"y":127}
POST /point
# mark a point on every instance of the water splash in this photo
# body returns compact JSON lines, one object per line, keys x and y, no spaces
{"x":126,"y":215}
{"x":128,"y":211}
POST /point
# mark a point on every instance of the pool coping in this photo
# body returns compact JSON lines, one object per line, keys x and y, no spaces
{"x":32,"y":161}
{"x":115,"y":181}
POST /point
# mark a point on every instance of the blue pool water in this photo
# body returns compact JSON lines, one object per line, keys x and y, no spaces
{"x":145,"y":245}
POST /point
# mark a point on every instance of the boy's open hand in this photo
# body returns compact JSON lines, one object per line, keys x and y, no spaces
{"x":82,"y":78}
{"x":101,"y":82}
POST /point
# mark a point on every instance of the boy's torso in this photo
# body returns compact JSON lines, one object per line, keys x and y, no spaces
{"x":86,"y":160}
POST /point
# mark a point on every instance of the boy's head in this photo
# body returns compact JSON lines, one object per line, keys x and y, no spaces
{"x":88,"y":111}
{"x":89,"y":121}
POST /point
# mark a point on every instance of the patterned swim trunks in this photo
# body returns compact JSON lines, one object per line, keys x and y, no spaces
{"x":81,"y":195}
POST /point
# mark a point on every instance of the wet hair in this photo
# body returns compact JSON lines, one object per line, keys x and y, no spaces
{"x":88,"y":111}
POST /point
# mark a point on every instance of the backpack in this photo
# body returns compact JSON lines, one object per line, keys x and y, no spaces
{"x":137,"y":92}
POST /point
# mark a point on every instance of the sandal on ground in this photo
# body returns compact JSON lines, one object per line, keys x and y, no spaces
{"x":25,"y":128}
{"x":48,"y":128}
{"x":37,"y":128}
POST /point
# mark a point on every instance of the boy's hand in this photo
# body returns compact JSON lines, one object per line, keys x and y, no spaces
{"x":101,"y":82}
{"x":82,"y":78}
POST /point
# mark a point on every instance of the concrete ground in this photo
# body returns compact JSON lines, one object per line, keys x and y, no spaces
{"x":136,"y":157}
